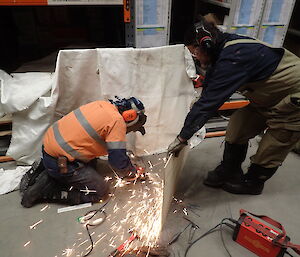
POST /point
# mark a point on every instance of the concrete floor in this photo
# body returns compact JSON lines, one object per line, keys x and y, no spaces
{"x":205,"y":206}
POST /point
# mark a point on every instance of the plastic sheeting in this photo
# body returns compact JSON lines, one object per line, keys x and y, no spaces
{"x":157,"y":76}
{"x":10,"y":179}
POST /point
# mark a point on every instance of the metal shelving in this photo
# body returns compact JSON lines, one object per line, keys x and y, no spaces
{"x":275,"y":21}
{"x":61,"y":2}
{"x":149,"y":25}
{"x":218,"y":3}
{"x":266,"y":20}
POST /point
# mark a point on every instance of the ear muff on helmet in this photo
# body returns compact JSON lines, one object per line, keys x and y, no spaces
{"x":129,"y":115}
{"x":138,"y":124}
{"x":203,"y":36}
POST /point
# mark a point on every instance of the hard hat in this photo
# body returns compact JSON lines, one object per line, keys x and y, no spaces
{"x":131,"y":109}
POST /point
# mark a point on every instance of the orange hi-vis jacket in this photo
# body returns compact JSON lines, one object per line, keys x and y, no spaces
{"x":90,"y":131}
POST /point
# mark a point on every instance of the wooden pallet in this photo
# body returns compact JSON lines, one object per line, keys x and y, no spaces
{"x":5,"y":134}
{"x":6,"y":159}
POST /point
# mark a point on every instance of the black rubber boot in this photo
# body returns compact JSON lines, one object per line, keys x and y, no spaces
{"x":252,"y":182}
{"x":230,"y":167}
{"x":30,"y":176}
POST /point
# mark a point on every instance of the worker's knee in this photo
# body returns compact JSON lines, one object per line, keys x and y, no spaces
{"x":283,"y":136}
{"x":94,"y":181}
{"x":235,"y":138}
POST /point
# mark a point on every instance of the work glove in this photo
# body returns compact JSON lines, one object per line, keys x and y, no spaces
{"x":176,"y":146}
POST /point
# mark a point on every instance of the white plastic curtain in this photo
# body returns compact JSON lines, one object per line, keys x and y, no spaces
{"x":157,"y":76}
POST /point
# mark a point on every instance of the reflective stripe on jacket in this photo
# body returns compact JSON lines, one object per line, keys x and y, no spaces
{"x":87,"y":132}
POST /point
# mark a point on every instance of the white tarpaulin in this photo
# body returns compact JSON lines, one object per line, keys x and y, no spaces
{"x":157,"y":76}
{"x":10,"y":179}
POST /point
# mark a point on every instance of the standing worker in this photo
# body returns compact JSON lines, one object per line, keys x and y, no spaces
{"x":70,"y":144}
{"x":269,"y":78}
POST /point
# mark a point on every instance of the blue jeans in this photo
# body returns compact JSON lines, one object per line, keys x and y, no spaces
{"x":80,"y":178}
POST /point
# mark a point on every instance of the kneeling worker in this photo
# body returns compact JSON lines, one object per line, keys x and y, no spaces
{"x":70,"y":144}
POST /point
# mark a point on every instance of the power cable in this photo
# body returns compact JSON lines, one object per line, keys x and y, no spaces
{"x":207,"y":233}
{"x":221,"y":233}
{"x":223,"y":241}
{"x":94,"y":213}
{"x":87,"y":225}
{"x":289,"y":254}
{"x":91,"y":225}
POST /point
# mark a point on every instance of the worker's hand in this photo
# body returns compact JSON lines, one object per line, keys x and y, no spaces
{"x":176,"y":146}
{"x":135,"y":173}
{"x":131,"y":174}
{"x":141,"y":173}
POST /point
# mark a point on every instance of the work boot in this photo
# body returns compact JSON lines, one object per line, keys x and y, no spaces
{"x":230,"y":167}
{"x":35,"y":191}
{"x":30,"y":176}
{"x":252,"y":182}
{"x":46,"y":189}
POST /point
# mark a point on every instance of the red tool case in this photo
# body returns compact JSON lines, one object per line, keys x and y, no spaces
{"x":260,"y":238}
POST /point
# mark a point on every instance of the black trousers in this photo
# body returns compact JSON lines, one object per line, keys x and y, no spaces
{"x":81,"y":178}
